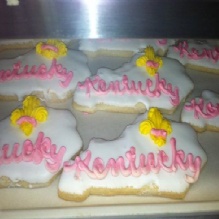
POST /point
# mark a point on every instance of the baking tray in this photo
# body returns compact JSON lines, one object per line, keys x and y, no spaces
{"x":202,"y":198}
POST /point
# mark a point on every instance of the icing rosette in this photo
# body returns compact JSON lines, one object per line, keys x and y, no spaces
{"x":156,"y":126}
{"x":40,"y":113}
{"x":31,"y":102}
{"x":151,"y":62}
{"x":52,"y":49}
{"x":35,"y":161}
{"x":28,"y":116}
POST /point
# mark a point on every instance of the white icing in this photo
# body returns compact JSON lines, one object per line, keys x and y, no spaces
{"x":188,"y":115}
{"x":172,"y":71}
{"x":134,"y":45}
{"x":75,"y":61}
{"x":12,"y":2}
{"x":186,"y":140}
{"x":205,"y":62}
{"x":60,"y":128}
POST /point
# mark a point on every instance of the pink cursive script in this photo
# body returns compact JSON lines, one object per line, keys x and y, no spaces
{"x":193,"y":53}
{"x":200,"y":108}
{"x":42,"y":149}
{"x":40,"y":72}
{"x":147,"y":163}
{"x":99,"y":86}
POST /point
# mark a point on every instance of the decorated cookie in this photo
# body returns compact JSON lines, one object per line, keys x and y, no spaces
{"x":198,"y":56}
{"x":153,"y":156}
{"x":122,"y":47}
{"x":34,"y":143}
{"x":11,"y":44}
{"x":51,"y":72}
{"x":147,"y":81}
{"x":202,"y":112}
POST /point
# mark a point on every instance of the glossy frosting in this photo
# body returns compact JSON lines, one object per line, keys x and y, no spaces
{"x":133,"y":160}
{"x":33,"y":73}
{"x":202,"y":111}
{"x":130,"y":85}
{"x":38,"y":157}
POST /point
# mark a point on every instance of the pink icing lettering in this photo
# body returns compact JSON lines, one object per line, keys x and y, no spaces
{"x":192,"y":53}
{"x":131,"y":157}
{"x":127,"y":165}
{"x":162,"y":159}
{"x":28,"y":151}
{"x":152,"y":89}
{"x":196,"y":167}
{"x":43,"y":149}
{"x":116,"y":88}
{"x":41,"y":72}
{"x":89,"y":84}
{"x":17,"y":158}
{"x":202,"y":109}
{"x":7,"y":159}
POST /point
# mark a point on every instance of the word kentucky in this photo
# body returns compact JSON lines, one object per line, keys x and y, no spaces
{"x":125,"y":86}
{"x":39,"y":72}
{"x":147,"y":163}
{"x":43,"y":149}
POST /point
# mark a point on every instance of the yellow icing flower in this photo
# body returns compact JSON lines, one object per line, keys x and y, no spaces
{"x":52,"y":49}
{"x":15,"y":115}
{"x":26,"y":128}
{"x":31,"y":102}
{"x":28,"y":116}
{"x":151,"y":62}
{"x":156,"y":126}
{"x":40,"y":113}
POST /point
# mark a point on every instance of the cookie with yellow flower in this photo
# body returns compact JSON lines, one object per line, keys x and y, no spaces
{"x":12,"y":44}
{"x":50,"y":71}
{"x":34,"y":143}
{"x":153,"y":156}
{"x":146,"y":81}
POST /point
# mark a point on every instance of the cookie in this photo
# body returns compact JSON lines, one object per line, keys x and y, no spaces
{"x":34,"y":143}
{"x":153,"y":156}
{"x":50,"y":71}
{"x":9,"y":44}
{"x":197,"y":56}
{"x":147,"y":81}
{"x":202,"y":112}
